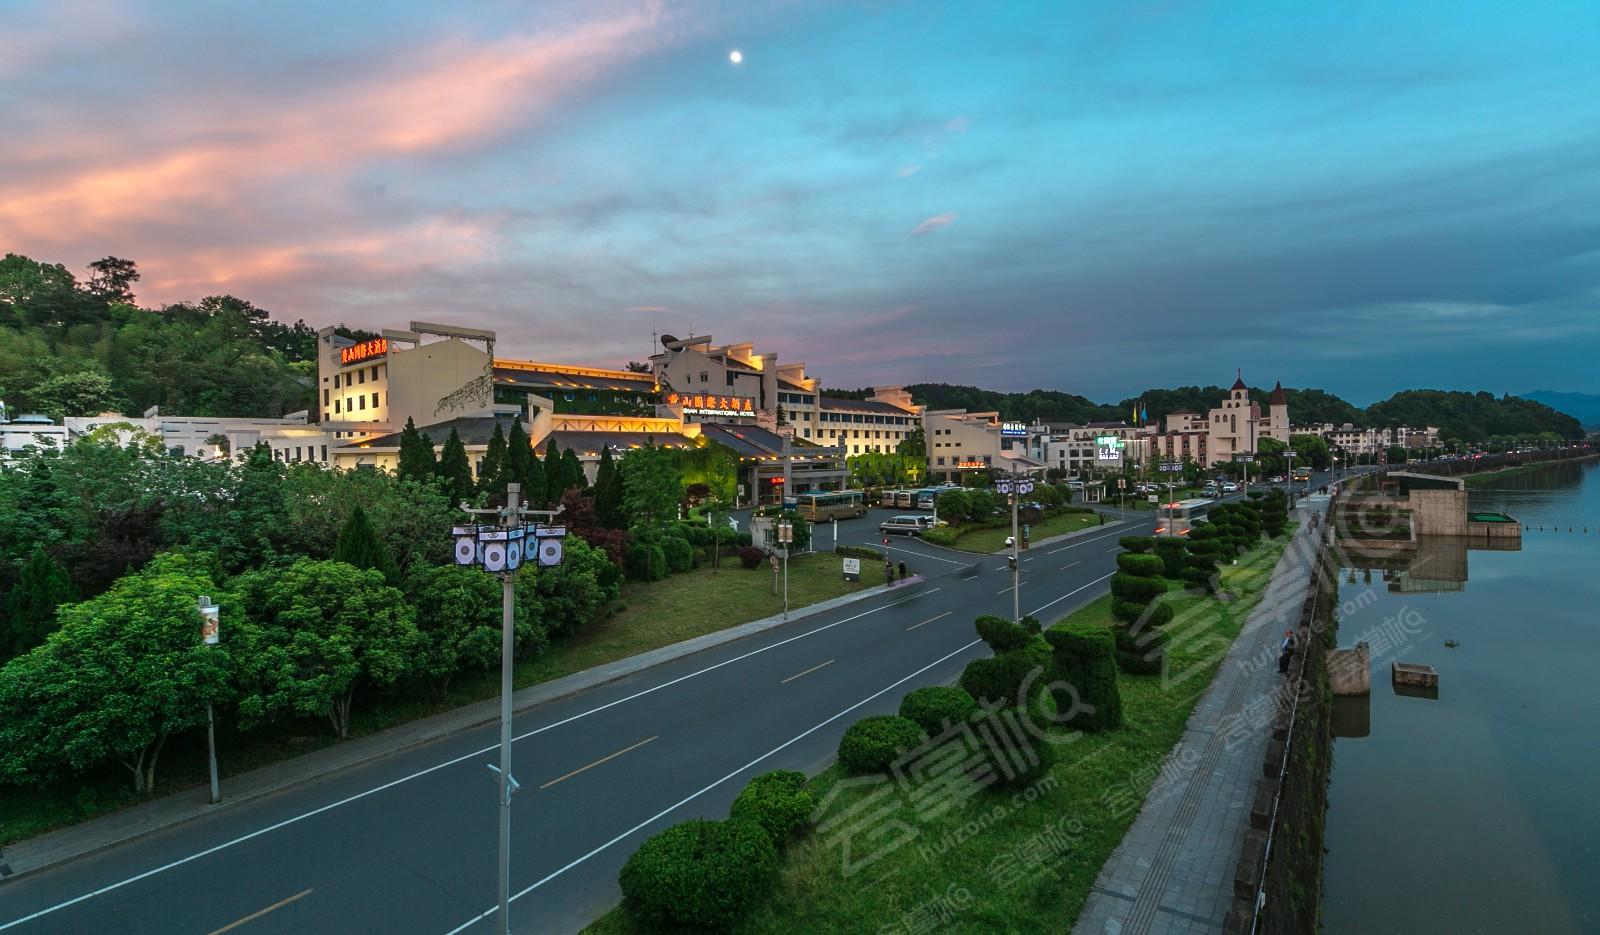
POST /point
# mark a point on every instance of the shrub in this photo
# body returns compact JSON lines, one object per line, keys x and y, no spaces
{"x":777,"y":801}
{"x":1014,"y":753}
{"x":871,"y":744}
{"x":699,"y":874}
{"x":937,"y":707}
{"x":1082,"y":663}
{"x":678,"y":554}
{"x":1136,"y":588}
{"x":1141,"y":649}
{"x":858,"y":551}
{"x":1135,"y":543}
{"x":645,"y":561}
{"x":1000,"y":679}
{"x":1001,"y":634}
{"x":751,"y":556}
{"x":940,"y":535}
{"x":1173,"y":551}
{"x":1142,"y":564}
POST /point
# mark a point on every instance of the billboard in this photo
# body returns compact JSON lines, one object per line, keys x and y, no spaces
{"x":1108,"y":448}
{"x":1014,"y":429}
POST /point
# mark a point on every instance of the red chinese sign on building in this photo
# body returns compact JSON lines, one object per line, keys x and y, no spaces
{"x":702,"y":404}
{"x":356,"y":353}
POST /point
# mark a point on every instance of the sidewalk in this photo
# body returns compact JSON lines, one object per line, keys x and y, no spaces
{"x":1173,"y":871}
{"x":57,"y":847}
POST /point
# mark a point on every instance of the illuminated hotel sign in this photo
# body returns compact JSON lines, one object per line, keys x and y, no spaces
{"x":1014,"y":429}
{"x":356,"y":353}
{"x":1108,"y":448}
{"x":699,"y":404}
{"x":971,"y":465}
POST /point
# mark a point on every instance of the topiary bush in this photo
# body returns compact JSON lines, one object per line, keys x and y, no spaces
{"x":937,"y":707}
{"x":1173,"y":551}
{"x":1135,"y":544}
{"x":1140,"y":563}
{"x":702,"y":875}
{"x":1083,"y":673}
{"x":645,"y":561}
{"x":1013,"y":752}
{"x":777,"y":801}
{"x":1000,"y":680}
{"x":1141,"y":649}
{"x":751,"y":556}
{"x":1140,"y":589}
{"x":1001,"y":634}
{"x":678,"y":554}
{"x":872,"y":744}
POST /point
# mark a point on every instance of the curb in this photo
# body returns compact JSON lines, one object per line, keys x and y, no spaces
{"x":56,"y":848}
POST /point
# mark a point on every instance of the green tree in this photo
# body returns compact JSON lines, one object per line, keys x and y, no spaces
{"x":123,"y":672}
{"x":458,"y":616}
{"x":1312,"y":449}
{"x":554,"y":475}
{"x":359,"y":546}
{"x":491,"y":473}
{"x":650,"y":486}
{"x":80,"y":393}
{"x":914,"y":446}
{"x":569,"y":595}
{"x":319,"y":632}
{"x":416,"y":454}
{"x":455,"y":471}
{"x":30,"y":607}
{"x":572,"y":472}
{"x":522,"y":465}
{"x":412,"y":519}
{"x":260,"y":511}
{"x":608,"y":492}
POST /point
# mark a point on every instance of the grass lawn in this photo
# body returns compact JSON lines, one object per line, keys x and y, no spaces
{"x":1002,"y":860}
{"x":650,"y":616}
{"x":989,"y":540}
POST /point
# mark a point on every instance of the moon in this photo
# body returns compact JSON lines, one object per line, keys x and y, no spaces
{"x":736,"y":56}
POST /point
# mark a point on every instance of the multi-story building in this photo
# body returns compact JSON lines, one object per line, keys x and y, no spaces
{"x":959,"y":442}
{"x":1094,"y":446}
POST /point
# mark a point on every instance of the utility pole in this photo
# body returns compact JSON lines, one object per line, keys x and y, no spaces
{"x":499,"y":549}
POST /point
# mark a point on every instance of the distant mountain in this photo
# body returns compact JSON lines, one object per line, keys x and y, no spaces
{"x":1585,"y":407}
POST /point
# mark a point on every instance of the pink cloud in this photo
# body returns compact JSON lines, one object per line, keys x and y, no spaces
{"x":937,"y":222}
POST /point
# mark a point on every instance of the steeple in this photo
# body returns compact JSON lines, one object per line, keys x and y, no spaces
{"x":1238,"y":383}
{"x":1277,"y":398}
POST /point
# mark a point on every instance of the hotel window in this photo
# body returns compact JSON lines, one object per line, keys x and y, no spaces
{"x":324,"y":397}
{"x":374,"y":373}
{"x":336,"y":381}
{"x":730,"y":378}
{"x":297,"y":452}
{"x":363,"y":399}
{"x":361,"y":376}
{"x":324,"y":453}
{"x":336,"y":405}
{"x":374,"y":400}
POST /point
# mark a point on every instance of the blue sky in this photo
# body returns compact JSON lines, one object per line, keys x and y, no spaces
{"x":1089,"y":197}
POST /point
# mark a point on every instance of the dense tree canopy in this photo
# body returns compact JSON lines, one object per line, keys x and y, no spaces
{"x":1472,"y":417}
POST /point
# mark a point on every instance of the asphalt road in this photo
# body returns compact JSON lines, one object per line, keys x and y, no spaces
{"x":408,"y":843}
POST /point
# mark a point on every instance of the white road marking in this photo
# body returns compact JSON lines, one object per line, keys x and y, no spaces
{"x":695,"y":795}
{"x":1063,"y":597}
{"x":1119,"y":532}
{"x":890,"y":548}
{"x":1068,"y":565}
{"x":110,"y":887}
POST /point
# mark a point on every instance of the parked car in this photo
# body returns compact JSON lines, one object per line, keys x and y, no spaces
{"x":908,"y":525}
{"x":1208,"y":492}
{"x":1230,"y":487}
{"x":1276,"y":479}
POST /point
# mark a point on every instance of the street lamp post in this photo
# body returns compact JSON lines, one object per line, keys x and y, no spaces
{"x":498,"y":548}
{"x":1014,"y":485}
{"x":210,"y":635}
{"x":785,"y":537}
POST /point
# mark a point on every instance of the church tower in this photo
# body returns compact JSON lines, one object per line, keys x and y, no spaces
{"x":1277,"y":415}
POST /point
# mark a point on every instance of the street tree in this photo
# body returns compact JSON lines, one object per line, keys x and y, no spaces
{"x":319,"y":633}
{"x":455,"y":471}
{"x":416,"y":454}
{"x":30,"y":607}
{"x":458,"y":616}
{"x":124,"y":671}
{"x":359,"y":546}
{"x":650,"y":487}
{"x":491,"y":473}
{"x":608,"y":492}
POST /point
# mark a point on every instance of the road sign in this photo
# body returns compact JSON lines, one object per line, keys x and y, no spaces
{"x":1154,"y":498}
{"x":852,"y":569}
{"x":1243,"y":458}
{"x":1172,"y":467}
{"x":1122,"y":483}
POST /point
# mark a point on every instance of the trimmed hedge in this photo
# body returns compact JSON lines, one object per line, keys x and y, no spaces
{"x":999,"y":680}
{"x":1001,"y":634}
{"x":872,"y":744}
{"x":1083,"y":664}
{"x":1135,"y":544}
{"x":777,"y":801}
{"x":699,"y":874}
{"x":858,"y":551}
{"x":751,"y":556}
{"x":1140,"y":563}
{"x":1172,"y":550}
{"x":679,"y":554}
{"x":1014,"y":753}
{"x":1142,"y":650}
{"x":937,"y":707}
{"x":1137,"y":588}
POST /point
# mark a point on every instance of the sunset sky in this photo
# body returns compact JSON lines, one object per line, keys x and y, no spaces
{"x":1088,"y":197}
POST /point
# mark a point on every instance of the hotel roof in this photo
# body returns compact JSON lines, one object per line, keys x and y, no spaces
{"x":862,"y":405}
{"x":577,"y":378}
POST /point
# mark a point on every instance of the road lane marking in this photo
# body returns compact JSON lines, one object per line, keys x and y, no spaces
{"x":1006,"y":589}
{"x":929,"y":620}
{"x":1063,"y":597}
{"x":695,"y":795}
{"x":356,"y":797}
{"x":1117,"y":548}
{"x":1068,"y":565}
{"x":604,"y":759}
{"x":261,"y":912}
{"x":890,"y":548}
{"x":1108,"y":535}
{"x":806,"y":672}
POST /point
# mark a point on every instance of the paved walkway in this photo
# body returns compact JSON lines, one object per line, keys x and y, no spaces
{"x":1173,"y":871}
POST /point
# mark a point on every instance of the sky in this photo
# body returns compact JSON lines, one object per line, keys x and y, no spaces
{"x":1090,"y":197}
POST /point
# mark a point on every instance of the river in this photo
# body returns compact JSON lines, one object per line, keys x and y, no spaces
{"x":1476,"y":811}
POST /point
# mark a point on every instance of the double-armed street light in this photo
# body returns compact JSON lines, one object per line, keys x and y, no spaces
{"x":499,"y":548}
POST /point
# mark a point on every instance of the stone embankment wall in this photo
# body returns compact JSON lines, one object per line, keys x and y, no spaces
{"x":1278,"y":882}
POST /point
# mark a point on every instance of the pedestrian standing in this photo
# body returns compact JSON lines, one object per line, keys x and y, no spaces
{"x":888,"y":573}
{"x":903,"y":571}
{"x":1286,"y":651}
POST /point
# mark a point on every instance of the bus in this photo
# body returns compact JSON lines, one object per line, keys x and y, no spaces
{"x":1302,"y":475}
{"x":905,"y":499}
{"x":926,"y":496}
{"x":886,"y":498}
{"x":824,"y":506}
{"x":1177,"y":518}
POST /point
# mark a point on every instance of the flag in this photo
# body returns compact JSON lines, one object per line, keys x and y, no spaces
{"x":1144,"y":413}
{"x":1135,"y":413}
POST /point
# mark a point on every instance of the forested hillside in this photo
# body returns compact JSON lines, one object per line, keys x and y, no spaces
{"x":1472,"y":416}
{"x":81,"y":347}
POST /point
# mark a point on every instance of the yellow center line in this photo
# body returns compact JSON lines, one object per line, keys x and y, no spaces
{"x":261,"y":912}
{"x":806,"y":672}
{"x":604,"y":759}
{"x":929,"y":620}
